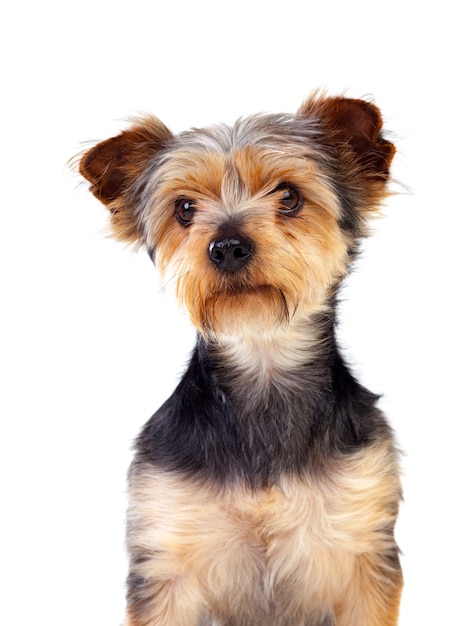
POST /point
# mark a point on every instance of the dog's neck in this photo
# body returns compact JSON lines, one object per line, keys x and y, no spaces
{"x":266,"y":355}
{"x":251,"y":407}
{"x":280,"y":359}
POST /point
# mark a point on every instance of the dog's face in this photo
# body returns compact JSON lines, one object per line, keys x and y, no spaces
{"x":256,"y":223}
{"x":246,"y":224}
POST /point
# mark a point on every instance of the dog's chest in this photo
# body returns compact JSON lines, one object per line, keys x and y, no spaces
{"x":296,"y":541}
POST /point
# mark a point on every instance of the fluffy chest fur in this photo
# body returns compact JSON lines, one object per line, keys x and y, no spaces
{"x":269,"y":556}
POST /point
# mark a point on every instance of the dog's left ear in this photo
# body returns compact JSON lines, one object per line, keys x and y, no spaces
{"x":114,"y":166}
{"x":354,"y":128}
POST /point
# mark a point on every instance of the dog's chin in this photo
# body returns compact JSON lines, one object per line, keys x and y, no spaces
{"x":257,"y":309}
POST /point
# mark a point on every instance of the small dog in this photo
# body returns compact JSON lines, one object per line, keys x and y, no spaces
{"x":265,"y":491}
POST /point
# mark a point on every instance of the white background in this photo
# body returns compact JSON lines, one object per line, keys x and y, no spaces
{"x":89,"y":346}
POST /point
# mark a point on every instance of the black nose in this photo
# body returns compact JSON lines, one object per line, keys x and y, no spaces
{"x":230,"y":253}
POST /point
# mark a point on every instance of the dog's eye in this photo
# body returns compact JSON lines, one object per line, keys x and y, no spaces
{"x":290,"y":199}
{"x":184,"y":210}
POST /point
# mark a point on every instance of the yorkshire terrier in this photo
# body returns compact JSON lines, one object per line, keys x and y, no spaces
{"x":265,"y":490}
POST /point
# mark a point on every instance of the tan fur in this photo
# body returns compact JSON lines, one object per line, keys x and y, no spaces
{"x":323,"y":545}
{"x":295,"y":263}
{"x":269,"y":357}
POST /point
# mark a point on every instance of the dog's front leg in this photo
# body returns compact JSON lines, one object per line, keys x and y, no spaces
{"x":173,"y":601}
{"x":373,"y":595}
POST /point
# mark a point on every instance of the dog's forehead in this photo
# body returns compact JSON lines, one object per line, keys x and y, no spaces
{"x":271,"y":131}
{"x":252,"y":156}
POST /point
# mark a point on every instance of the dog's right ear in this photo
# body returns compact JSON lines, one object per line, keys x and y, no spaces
{"x":114,"y":166}
{"x":354,"y":127}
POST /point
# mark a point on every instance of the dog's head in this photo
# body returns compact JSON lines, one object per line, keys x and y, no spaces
{"x":255,"y":223}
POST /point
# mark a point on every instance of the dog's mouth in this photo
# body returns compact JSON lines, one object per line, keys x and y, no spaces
{"x":251,"y":307}
{"x":241,"y":291}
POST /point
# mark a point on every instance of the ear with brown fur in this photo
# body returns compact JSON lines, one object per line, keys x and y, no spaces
{"x":114,"y":166}
{"x":354,"y":127}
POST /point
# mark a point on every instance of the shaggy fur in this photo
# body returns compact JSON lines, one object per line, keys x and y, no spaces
{"x":264,"y":492}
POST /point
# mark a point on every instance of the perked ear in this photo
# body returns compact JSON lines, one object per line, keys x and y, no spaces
{"x":355,"y":126}
{"x":114,"y":166}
